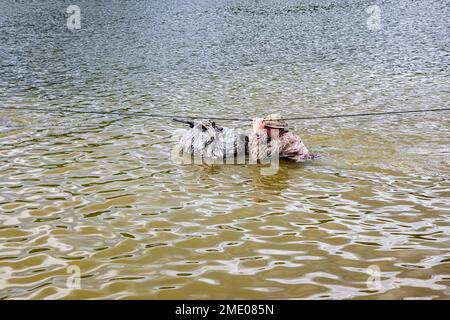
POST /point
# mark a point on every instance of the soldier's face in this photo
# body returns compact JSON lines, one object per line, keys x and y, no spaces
{"x":272,"y":132}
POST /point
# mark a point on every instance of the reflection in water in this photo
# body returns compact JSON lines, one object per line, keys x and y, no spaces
{"x":276,"y":182}
{"x":103,"y":194}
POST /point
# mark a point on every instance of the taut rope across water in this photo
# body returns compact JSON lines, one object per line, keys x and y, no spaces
{"x":154,"y":115}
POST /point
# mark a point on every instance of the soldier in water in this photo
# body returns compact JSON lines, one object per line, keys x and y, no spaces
{"x":271,"y":137}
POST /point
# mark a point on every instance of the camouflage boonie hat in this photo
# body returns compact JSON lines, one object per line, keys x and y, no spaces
{"x":274,"y":120}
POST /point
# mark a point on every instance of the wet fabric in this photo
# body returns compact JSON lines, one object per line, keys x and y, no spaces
{"x":287,"y":146}
{"x":207,"y":141}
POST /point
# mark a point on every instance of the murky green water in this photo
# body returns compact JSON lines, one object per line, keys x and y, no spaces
{"x":102,"y":193}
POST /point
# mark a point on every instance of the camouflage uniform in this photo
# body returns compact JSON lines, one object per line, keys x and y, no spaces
{"x":287,"y":146}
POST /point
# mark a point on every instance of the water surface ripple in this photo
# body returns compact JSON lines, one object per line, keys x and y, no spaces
{"x":102,"y":193}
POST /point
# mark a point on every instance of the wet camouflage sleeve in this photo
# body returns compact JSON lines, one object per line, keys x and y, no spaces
{"x":260,"y":149}
{"x":293,"y":148}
